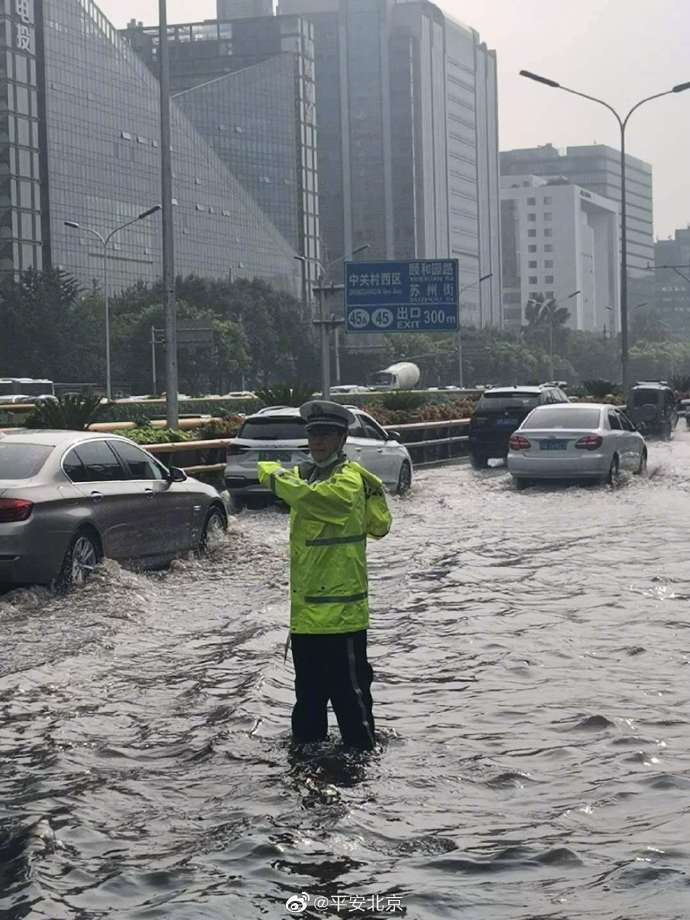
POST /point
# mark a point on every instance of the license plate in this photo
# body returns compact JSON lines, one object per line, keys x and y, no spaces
{"x":284,"y":456}
{"x":505,"y":422}
{"x":553,"y":445}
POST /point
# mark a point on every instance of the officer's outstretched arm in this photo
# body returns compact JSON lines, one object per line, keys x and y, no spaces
{"x":330,"y":501}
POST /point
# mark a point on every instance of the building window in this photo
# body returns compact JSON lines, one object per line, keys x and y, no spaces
{"x":547,"y":199}
{"x":531,"y":264}
{"x":548,"y":216}
{"x":532,"y":279}
{"x":531,"y":217}
{"x":531,"y":201}
{"x":548,"y":232}
{"x":550,"y":294}
{"x":533,"y":294}
{"x":548,"y":263}
{"x":548,"y":279}
{"x":531,"y":233}
{"x":532,"y":247}
{"x":548,"y":247}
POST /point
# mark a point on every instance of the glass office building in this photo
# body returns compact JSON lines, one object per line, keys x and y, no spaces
{"x":408,"y":139}
{"x":89,"y":126}
{"x":247,"y":86}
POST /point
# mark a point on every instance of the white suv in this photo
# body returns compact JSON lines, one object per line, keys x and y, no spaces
{"x":278,"y":433}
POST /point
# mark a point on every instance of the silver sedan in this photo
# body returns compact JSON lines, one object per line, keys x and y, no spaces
{"x":575,"y":441}
{"x":68,"y":499}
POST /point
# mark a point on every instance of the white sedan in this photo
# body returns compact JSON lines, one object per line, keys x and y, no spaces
{"x":575,"y":441}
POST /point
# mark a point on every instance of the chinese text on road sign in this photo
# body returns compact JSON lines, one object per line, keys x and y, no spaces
{"x":418,"y":296}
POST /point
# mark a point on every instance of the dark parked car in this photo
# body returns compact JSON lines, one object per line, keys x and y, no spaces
{"x":70,"y":498}
{"x":499,"y":412}
{"x":652,"y":408}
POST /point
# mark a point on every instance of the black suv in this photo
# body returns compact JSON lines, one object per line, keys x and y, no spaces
{"x":499,"y":412}
{"x":652,"y":408}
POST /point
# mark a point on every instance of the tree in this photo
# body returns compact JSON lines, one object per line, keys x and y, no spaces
{"x":39,"y":325}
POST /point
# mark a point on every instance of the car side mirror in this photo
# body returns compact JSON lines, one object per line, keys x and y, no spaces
{"x":176,"y":475}
{"x":392,"y":435}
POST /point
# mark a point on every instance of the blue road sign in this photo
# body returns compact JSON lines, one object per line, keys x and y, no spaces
{"x":414,"y":296}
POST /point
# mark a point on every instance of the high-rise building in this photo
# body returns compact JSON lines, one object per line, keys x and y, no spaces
{"x":79,"y":142}
{"x":247,"y":86}
{"x":408,"y":149}
{"x":598,"y":168}
{"x":558,"y":238}
{"x":672,"y":285}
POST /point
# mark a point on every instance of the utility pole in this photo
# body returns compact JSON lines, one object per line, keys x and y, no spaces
{"x":169,"y":306}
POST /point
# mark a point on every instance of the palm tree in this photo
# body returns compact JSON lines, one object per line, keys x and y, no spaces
{"x":542,"y":313}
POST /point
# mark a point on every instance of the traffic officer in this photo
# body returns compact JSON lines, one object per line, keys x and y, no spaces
{"x":334,"y":505}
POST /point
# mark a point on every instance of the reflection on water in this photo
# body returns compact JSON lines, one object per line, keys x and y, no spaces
{"x":531,"y":653}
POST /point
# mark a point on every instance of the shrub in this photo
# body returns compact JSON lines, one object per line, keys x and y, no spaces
{"x":403,"y":400}
{"x":226,"y":427}
{"x":73,"y":413}
{"x":600,"y":389}
{"x":285,"y":394}
{"x":147,"y":435}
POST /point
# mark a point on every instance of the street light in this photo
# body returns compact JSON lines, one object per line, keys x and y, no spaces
{"x":324,"y":324}
{"x":105,"y":240}
{"x":622,"y":123}
{"x":461,"y":378}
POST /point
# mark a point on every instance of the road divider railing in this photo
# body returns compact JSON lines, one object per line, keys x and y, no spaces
{"x":429,"y":443}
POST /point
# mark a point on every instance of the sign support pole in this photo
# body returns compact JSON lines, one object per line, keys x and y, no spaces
{"x":325,"y":349}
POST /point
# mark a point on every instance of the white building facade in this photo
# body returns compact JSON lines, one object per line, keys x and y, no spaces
{"x":556,"y":239}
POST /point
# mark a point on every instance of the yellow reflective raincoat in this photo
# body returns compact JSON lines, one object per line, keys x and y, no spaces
{"x":329,"y":524}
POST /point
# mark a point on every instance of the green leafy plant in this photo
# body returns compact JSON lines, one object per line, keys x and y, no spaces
{"x":680,"y":382}
{"x":148,"y":435}
{"x":226,"y":427}
{"x":403,"y":400}
{"x":285,"y":394}
{"x":74,"y":413}
{"x":600,"y":389}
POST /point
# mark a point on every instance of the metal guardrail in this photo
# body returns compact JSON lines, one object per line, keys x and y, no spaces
{"x":425,"y":445}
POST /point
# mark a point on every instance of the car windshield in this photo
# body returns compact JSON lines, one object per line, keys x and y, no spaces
{"x":273,"y":429}
{"x":22,"y":461}
{"x":496,"y":402}
{"x":548,"y":417}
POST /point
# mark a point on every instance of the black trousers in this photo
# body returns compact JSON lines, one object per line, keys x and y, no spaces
{"x":335,"y":668}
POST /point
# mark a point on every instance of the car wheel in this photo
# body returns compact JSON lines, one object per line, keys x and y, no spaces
{"x":614,"y":470}
{"x":478,"y":461}
{"x":213,"y":533}
{"x":667,"y":433}
{"x":522,"y":483}
{"x":82,"y":557}
{"x":236,"y":504}
{"x":404,"y":478}
{"x":642,"y":468}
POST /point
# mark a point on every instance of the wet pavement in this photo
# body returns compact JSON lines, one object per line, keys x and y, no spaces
{"x":531,"y":653}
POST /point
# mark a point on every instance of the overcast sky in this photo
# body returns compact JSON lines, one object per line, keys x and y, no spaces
{"x":619,"y":50}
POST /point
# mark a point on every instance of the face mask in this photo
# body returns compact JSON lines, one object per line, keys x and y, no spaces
{"x":322,"y":464}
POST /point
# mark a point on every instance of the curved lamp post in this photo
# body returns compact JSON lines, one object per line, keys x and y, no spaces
{"x":622,"y":123}
{"x":104,"y":241}
{"x":466,"y":287}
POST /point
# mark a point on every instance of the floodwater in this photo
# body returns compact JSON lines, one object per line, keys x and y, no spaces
{"x":532,"y":661}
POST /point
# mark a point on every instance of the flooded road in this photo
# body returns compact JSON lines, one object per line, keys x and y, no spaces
{"x":532,"y":662}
